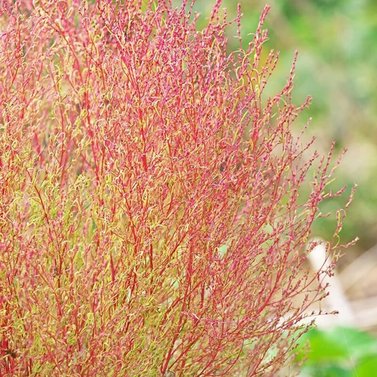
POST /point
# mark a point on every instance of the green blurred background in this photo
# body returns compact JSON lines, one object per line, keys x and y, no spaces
{"x":337,"y":45}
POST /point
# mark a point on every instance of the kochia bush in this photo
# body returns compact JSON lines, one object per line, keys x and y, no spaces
{"x":151,"y":213}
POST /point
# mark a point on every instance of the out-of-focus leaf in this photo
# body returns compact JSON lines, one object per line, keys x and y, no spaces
{"x":326,"y":371}
{"x":319,"y":346}
{"x":366,"y":367}
{"x":339,"y":352}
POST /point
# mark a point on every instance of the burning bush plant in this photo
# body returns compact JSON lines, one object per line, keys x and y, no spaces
{"x":152,"y":221}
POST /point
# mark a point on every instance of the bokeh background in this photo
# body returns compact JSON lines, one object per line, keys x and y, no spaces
{"x":337,"y":67}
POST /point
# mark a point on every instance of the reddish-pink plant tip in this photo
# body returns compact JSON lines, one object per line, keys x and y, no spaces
{"x":152,"y":217}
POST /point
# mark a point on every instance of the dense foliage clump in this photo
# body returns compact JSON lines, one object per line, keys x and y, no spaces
{"x":151,"y":215}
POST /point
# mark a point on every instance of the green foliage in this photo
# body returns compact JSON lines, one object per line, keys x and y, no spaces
{"x":339,"y":352}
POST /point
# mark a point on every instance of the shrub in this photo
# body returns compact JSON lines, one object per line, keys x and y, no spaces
{"x":152,"y":219}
